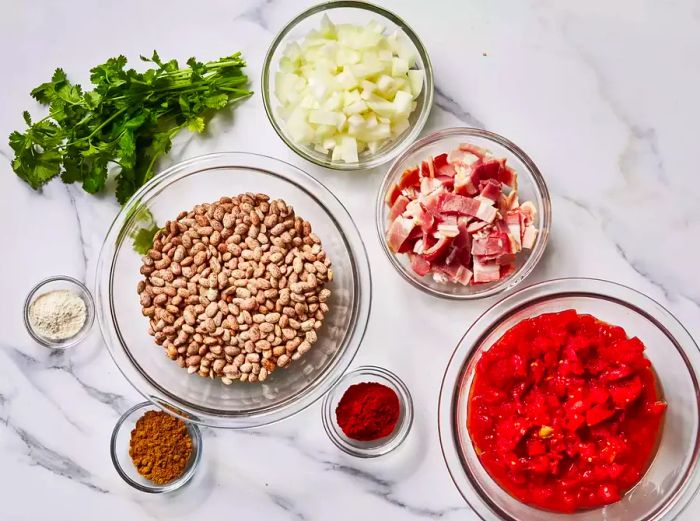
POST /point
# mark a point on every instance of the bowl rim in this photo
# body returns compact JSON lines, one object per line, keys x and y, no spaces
{"x":399,"y":146}
{"x":351,"y":341}
{"x":540,"y":187}
{"x":177,"y":483}
{"x":388,"y":444}
{"x":467,"y":349}
{"x":89,"y":310}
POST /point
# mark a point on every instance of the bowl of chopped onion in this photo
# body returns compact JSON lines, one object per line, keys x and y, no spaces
{"x":347,"y":85}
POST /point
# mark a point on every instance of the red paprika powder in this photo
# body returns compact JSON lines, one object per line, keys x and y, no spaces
{"x":368,"y":411}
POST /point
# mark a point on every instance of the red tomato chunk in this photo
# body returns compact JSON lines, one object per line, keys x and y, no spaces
{"x":564,"y":412}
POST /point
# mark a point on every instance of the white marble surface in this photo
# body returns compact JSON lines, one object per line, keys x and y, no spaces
{"x":603,"y":96}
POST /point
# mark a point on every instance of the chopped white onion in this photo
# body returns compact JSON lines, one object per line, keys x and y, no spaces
{"x":348,"y":88}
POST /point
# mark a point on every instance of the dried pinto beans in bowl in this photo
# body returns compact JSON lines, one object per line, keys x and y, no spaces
{"x":236,"y":288}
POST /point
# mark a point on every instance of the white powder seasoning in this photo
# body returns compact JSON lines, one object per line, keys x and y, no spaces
{"x":57,"y":315}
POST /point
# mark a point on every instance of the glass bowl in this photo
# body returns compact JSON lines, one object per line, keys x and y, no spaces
{"x":58,"y":283}
{"x":209,"y":401}
{"x":531,"y":187}
{"x":119,"y":450}
{"x":347,"y":11}
{"x":368,"y":449}
{"x":672,"y":478}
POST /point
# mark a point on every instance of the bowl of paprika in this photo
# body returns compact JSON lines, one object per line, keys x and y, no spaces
{"x":368,"y":413}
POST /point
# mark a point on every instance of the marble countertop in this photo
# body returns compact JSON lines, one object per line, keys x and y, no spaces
{"x":602,"y":95}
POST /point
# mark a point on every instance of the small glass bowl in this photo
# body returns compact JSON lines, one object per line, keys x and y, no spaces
{"x":60,"y":282}
{"x":672,"y":479}
{"x":119,"y":450}
{"x":347,"y":11}
{"x":368,"y":449}
{"x":531,"y":187}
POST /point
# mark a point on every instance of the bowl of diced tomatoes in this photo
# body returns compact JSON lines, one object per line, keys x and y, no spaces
{"x":463,"y":213}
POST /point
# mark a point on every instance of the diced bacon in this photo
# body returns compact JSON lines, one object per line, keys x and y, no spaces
{"x":427,"y":169}
{"x":429,"y":185}
{"x":487,"y":169}
{"x":392,"y":195}
{"x":463,"y":184}
{"x":464,"y":276}
{"x":529,"y":236}
{"x":512,"y":220}
{"x":419,"y":265}
{"x":398,"y":232}
{"x":433,"y":202}
{"x":491,"y":189}
{"x":486,"y":212}
{"x":474,"y":149}
{"x":410,"y":192}
{"x":529,"y":210}
{"x":508,"y":177}
{"x":508,"y":202}
{"x":438,"y":249}
{"x":446,"y":170}
{"x":476,"y":226}
{"x":453,"y":217}
{"x":460,"y":205}
{"x":463,"y":157}
{"x":486,"y":272}
{"x":410,"y":178}
{"x":489,"y":246}
{"x":439,"y":161}
{"x":398,"y":207}
{"x":448,"y":230}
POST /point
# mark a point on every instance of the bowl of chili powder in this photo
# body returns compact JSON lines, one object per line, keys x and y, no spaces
{"x":368,"y":413}
{"x":153,"y":450}
{"x":573,"y":398}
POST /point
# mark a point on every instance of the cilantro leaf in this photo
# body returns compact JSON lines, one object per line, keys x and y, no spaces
{"x":125,"y":123}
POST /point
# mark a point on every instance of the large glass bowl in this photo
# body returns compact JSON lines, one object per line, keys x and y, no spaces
{"x":672,"y":478}
{"x":531,"y":187}
{"x":347,"y":11}
{"x":209,"y":401}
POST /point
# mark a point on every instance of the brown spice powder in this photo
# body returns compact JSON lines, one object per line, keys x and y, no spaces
{"x":160,"y":447}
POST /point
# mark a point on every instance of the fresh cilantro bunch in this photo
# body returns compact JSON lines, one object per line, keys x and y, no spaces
{"x":125,"y":123}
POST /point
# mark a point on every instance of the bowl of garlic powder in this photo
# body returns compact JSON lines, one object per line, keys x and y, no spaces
{"x":59,"y":312}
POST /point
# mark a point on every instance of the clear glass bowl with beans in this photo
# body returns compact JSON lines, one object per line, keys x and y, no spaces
{"x":257,"y":285}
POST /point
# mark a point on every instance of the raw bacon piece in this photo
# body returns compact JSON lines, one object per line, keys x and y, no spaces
{"x":508,"y":177}
{"x":489,"y":246}
{"x":440,"y":161}
{"x":463,"y":184}
{"x":462,"y":157}
{"x":491,"y":189}
{"x":398,"y":232}
{"x":529,"y":237}
{"x":474,"y":149}
{"x":398,"y":207}
{"x":438,"y":249}
{"x":419,"y":265}
{"x":486,"y":272}
{"x":487,"y":169}
{"x":429,"y":184}
{"x":409,"y":178}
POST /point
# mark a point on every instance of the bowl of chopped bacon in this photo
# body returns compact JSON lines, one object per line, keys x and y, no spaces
{"x":464,"y":213}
